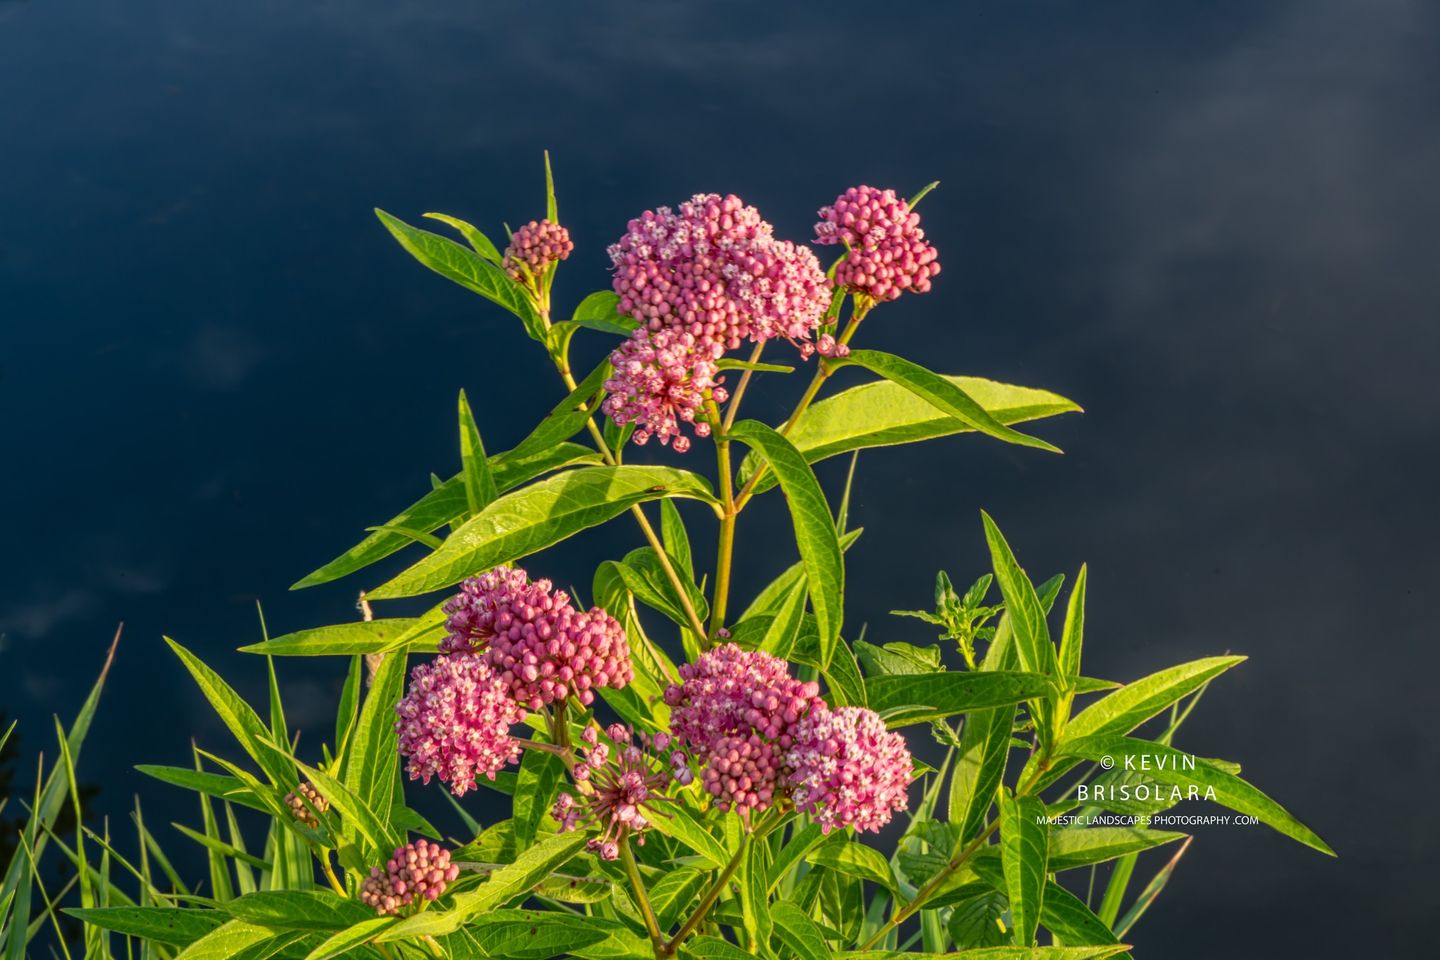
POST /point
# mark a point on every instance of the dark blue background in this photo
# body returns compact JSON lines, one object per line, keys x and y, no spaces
{"x":1214,"y":225}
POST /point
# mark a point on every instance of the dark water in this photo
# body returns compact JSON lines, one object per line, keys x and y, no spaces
{"x":1213,"y":225}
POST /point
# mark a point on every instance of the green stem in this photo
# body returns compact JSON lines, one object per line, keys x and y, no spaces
{"x":632,"y":870}
{"x":708,"y":901}
{"x":335,"y":883}
{"x":725,"y":550}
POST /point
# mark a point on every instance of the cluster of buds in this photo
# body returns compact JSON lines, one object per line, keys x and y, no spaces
{"x":887,"y":251}
{"x":455,"y":722}
{"x":533,"y":249}
{"x":541,"y":647}
{"x":735,"y":711}
{"x":662,"y":379}
{"x":418,"y":872}
{"x":710,"y":276}
{"x":305,"y":803}
{"x":622,"y":779}
{"x":847,"y":770}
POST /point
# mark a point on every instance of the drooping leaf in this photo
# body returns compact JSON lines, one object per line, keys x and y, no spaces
{"x":538,"y":516}
{"x":679,"y":823}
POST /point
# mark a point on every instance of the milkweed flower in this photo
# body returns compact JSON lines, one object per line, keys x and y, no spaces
{"x":713,"y":269}
{"x":625,"y":784}
{"x":534,"y":247}
{"x":662,"y":379}
{"x":887,"y":254}
{"x":455,"y":722}
{"x":418,"y":871}
{"x":540,"y":646}
{"x":847,"y":770}
{"x":304,"y":803}
{"x":735,"y":711}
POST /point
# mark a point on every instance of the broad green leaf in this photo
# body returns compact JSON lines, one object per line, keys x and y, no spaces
{"x":672,"y":895}
{"x":226,"y":941}
{"x":372,"y":759}
{"x":883,"y":414}
{"x":679,"y":823}
{"x":1072,"y":642}
{"x":795,"y":851}
{"x":569,"y":415}
{"x":713,"y":948}
{"x":815,"y":534}
{"x":996,"y":953}
{"x":847,"y":687}
{"x":784,"y":628}
{"x":480,"y":489}
{"x":242,"y":721}
{"x":527,"y":520}
{"x":533,"y":935}
{"x":1024,"y":857}
{"x":356,"y":817}
{"x":161,"y":924}
{"x":480,"y":243}
{"x":298,"y":910}
{"x":898,"y":658}
{"x":977,"y":918}
{"x":768,"y":600}
{"x":465,"y":267}
{"x":447,"y":503}
{"x":1134,"y":703}
{"x":799,"y":932}
{"x":945,"y":395}
{"x":979,"y":767}
{"x":1168,"y":765}
{"x":355,"y":637}
{"x":754,"y":903}
{"x":506,"y":884}
{"x":1080,"y":848}
{"x":220,"y":849}
{"x":1069,"y":919}
{"x":905,"y":700}
{"x":599,"y":311}
{"x":351,"y":938}
{"x":675,"y":538}
{"x":214,"y":784}
{"x":540,"y":775}
{"x":856,"y":860}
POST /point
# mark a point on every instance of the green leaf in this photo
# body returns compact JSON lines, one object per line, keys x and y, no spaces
{"x":600,"y":311}
{"x":214,"y":784}
{"x":241,"y":720}
{"x":506,"y":884}
{"x":714,"y":948}
{"x":1134,"y":703}
{"x":226,"y":941}
{"x":754,"y":903}
{"x":569,"y":415}
{"x":884,"y":414}
{"x":1023,"y":853}
{"x":800,"y":844}
{"x":979,"y":767}
{"x":768,"y":600}
{"x":351,"y":938}
{"x":898,"y":658}
{"x":847,"y":687}
{"x":298,"y":910}
{"x":815,"y":534}
{"x":673,"y":893}
{"x":1072,"y":642}
{"x":465,"y":267}
{"x":856,"y":860}
{"x":221,"y":848}
{"x":943,"y":394}
{"x":675,"y":539}
{"x":533,"y":935}
{"x":799,"y":932}
{"x":1022,"y":605}
{"x":540,"y":776}
{"x":1151,"y":891}
{"x":372,"y":759}
{"x":731,"y":363}
{"x":678,"y":822}
{"x":552,"y":210}
{"x":355,"y":637}
{"x":480,"y":489}
{"x":905,"y":700}
{"x":161,"y":924}
{"x":784,"y":628}
{"x":480,"y":243}
{"x":1168,"y":765}
{"x":1080,"y":848}
{"x":977,"y":919}
{"x":996,"y":953}
{"x":538,"y":516}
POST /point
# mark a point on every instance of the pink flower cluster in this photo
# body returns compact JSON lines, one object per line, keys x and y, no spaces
{"x":887,"y":250}
{"x":533,"y":248}
{"x":418,"y":871}
{"x":622,"y":786}
{"x":701,"y":280}
{"x":662,"y":379}
{"x":455,"y":722}
{"x":735,"y":711}
{"x":847,"y":770}
{"x":540,"y":646}
{"x":761,"y":734}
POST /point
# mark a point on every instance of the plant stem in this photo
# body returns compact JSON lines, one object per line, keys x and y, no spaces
{"x":725,"y":551}
{"x":708,"y":901}
{"x":645,"y":526}
{"x":739,"y":393}
{"x":335,"y":883}
{"x":627,"y":856}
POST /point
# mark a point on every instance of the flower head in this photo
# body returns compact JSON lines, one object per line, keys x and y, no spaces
{"x":662,"y":379}
{"x":533,"y":248}
{"x":417,"y":872}
{"x":887,"y":250}
{"x":735,"y":711}
{"x":624,"y":785}
{"x":713,"y":269}
{"x":539,"y":645}
{"x":847,"y":770}
{"x":455,"y":721}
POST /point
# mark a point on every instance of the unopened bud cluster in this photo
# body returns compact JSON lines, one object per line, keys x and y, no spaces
{"x":417,"y":872}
